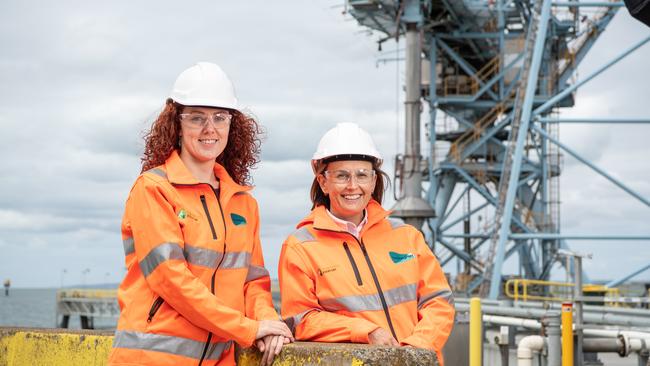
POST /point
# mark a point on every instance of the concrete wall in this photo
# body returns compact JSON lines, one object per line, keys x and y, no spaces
{"x":26,"y":347}
{"x":61,"y":347}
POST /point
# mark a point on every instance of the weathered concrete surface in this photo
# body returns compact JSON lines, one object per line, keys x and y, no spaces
{"x":62,"y":347}
{"x":308,"y":353}
{"x":27,"y":347}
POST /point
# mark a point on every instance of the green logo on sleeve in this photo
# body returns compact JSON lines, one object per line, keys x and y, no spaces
{"x":238,"y":219}
{"x":399,"y":257}
{"x":182,"y":214}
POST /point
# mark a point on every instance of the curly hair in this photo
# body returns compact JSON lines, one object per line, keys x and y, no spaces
{"x":238,"y":158}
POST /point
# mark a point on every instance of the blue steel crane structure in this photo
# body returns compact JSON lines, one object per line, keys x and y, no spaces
{"x":493,"y":74}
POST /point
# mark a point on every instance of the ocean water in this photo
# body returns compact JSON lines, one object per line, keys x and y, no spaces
{"x":37,"y":308}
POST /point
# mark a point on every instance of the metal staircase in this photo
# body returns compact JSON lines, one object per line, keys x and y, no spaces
{"x":510,"y":148}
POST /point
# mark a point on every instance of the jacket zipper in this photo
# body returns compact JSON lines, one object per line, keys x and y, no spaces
{"x":381,"y":293}
{"x":374,"y":277}
{"x":214,"y":274}
{"x":207,"y":213}
{"x":154,"y":308}
{"x":354,"y":264}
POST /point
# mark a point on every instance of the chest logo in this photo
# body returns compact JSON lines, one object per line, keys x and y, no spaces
{"x":237,"y":219}
{"x":183,"y":214}
{"x":322,"y":271}
{"x":400,"y":257}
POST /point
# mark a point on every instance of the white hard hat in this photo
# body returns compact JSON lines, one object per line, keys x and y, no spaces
{"x":346,"y":141}
{"x":206,"y":85}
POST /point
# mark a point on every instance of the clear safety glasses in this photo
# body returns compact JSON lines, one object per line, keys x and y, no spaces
{"x":220,"y":120}
{"x":361,"y":176}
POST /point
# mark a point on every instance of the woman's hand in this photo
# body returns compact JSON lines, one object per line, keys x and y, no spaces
{"x":273,"y":327}
{"x":382,"y":336}
{"x":270,"y":346}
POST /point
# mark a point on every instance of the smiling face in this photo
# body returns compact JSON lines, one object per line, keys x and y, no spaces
{"x":202,"y":144}
{"x":348,"y":200}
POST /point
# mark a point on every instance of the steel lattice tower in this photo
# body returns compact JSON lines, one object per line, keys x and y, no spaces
{"x":493,"y":74}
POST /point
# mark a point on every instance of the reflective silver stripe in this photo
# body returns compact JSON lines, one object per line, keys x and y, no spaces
{"x":201,"y":256}
{"x":444,"y":293}
{"x":168,"y":344}
{"x":293,"y":321}
{"x":395,"y":223}
{"x":157,"y":171}
{"x":398,"y":295}
{"x":211,"y":258}
{"x":216,"y":349}
{"x":303,"y":235}
{"x":235,"y":260}
{"x":352,"y":303}
{"x":255,"y":272}
{"x":159,"y":254}
{"x":372,"y":302}
{"x":129,"y":246}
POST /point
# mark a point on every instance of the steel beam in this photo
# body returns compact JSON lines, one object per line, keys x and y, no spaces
{"x":486,"y":194}
{"x":469,"y":69}
{"x":453,"y":206}
{"x":558,"y":97}
{"x":592,"y":4}
{"x":531,"y":85}
{"x":592,"y":166}
{"x":470,"y":213}
{"x":627,"y":277}
{"x":594,"y":120}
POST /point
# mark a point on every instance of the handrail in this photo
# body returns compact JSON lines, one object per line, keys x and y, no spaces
{"x":473,"y":134}
{"x":86,"y":293}
{"x":519,"y":289}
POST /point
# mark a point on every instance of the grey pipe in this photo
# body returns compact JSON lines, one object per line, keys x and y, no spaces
{"x":558,"y":306}
{"x":604,"y":345}
{"x":553,"y":324}
{"x":612,"y":319}
{"x":578,"y":314}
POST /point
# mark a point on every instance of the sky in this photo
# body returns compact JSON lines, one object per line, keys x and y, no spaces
{"x":81,"y":82}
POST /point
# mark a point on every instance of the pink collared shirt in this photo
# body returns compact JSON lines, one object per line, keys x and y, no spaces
{"x":349,"y":226}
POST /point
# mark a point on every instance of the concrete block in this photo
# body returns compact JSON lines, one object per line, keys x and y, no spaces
{"x":313,"y":353}
{"x":62,"y":347}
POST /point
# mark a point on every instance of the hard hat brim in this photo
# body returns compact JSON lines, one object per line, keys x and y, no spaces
{"x":347,"y":157}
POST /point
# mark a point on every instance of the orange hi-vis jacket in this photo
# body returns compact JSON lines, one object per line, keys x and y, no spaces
{"x":195,"y":278}
{"x":337,"y":288}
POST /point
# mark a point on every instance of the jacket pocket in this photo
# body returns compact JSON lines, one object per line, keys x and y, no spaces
{"x":353,"y":263}
{"x":154,"y":308}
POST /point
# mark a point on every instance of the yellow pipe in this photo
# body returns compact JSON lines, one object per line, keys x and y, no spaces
{"x":567,"y":334}
{"x":475,"y":332}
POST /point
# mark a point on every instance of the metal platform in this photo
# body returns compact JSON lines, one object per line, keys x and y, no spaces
{"x":87,"y":304}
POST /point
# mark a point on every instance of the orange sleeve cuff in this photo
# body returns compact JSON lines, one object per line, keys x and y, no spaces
{"x":415,"y":341}
{"x":249,"y":338}
{"x":359,"y":333}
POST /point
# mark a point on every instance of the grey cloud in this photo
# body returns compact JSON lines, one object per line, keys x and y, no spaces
{"x":82,"y":81}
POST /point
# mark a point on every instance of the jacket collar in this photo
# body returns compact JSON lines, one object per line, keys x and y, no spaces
{"x":177,"y":173}
{"x":322,"y":221}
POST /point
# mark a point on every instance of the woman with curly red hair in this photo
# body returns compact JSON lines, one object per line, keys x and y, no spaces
{"x":195,"y":279}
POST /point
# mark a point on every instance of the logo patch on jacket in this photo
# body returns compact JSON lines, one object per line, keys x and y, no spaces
{"x":183,"y":214}
{"x":322,"y":271}
{"x":399,"y":257}
{"x":237,"y":219}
